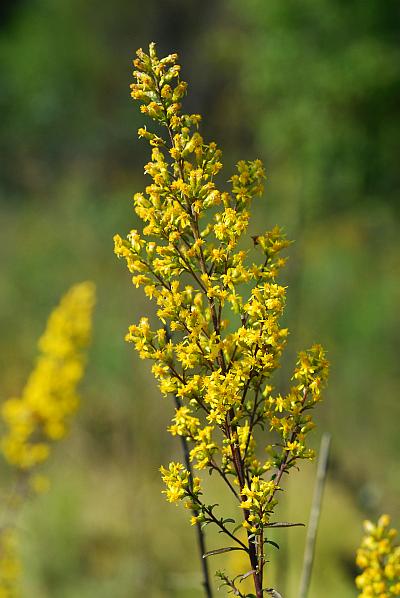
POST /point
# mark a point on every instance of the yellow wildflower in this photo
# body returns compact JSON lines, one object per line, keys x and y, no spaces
{"x":192,"y":259}
{"x":379,"y":560}
{"x":41,"y":415}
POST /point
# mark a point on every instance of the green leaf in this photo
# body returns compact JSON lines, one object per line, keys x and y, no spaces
{"x":272,"y":542}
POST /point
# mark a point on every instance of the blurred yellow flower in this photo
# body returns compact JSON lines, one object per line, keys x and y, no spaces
{"x":41,"y":415}
{"x":379,"y":559}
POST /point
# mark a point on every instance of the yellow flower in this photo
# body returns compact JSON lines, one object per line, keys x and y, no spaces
{"x":379,"y":560}
{"x":41,"y":415}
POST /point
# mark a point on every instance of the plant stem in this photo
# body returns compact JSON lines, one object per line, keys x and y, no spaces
{"x":200,"y":534}
{"x":309,"y":551}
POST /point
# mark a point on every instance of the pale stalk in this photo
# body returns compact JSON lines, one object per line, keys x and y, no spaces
{"x":315,"y":513}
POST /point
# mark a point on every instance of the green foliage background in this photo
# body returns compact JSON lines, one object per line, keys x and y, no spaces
{"x":313,"y":89}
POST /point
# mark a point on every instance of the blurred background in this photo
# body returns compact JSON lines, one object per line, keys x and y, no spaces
{"x":313,"y":89}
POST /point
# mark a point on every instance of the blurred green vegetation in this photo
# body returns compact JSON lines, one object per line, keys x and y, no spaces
{"x":314,"y":90}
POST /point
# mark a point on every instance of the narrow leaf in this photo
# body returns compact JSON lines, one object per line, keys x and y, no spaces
{"x":273,"y":543}
{"x":284,"y":524}
{"x":220,"y":551}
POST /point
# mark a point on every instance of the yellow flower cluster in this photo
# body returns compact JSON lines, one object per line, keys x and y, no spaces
{"x":379,"y":559}
{"x":184,"y":424}
{"x":9,"y":564}
{"x":179,"y":484}
{"x":289,"y":415}
{"x":258,"y":502}
{"x":220,"y":338}
{"x":40,"y":416}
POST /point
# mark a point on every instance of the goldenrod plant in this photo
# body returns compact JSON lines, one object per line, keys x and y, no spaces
{"x":42,"y":414}
{"x":219,"y":339}
{"x":379,"y":560}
